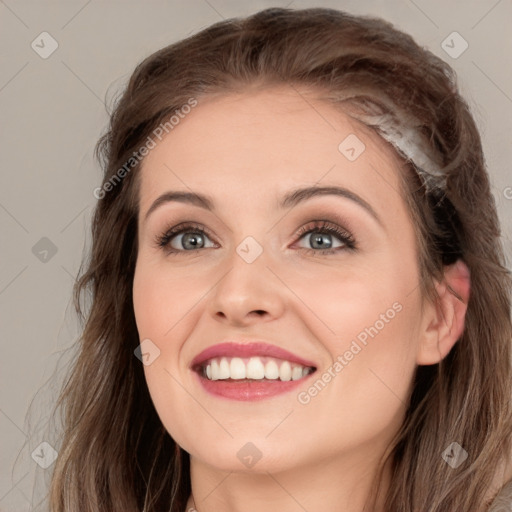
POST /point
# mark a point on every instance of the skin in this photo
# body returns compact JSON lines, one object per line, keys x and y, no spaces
{"x":246,"y":151}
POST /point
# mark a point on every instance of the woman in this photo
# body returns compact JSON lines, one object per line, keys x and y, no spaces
{"x":299,"y":300}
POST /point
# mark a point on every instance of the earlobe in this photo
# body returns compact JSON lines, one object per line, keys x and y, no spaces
{"x":444,"y":321}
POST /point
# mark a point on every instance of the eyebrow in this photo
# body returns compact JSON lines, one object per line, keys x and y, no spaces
{"x":291,"y":199}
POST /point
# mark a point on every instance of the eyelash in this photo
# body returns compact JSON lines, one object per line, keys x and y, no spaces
{"x":323,"y":226}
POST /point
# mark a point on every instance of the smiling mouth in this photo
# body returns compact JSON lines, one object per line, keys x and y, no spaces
{"x":256,"y":368}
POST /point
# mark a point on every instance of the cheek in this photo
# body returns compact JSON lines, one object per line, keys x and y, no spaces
{"x":166,"y":308}
{"x":374,"y":303}
{"x":372,"y":319}
{"x":175,"y":407}
{"x":164,"y":300}
{"x":364,"y":391}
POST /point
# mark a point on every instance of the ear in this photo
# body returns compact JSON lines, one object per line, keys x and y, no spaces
{"x":443,"y":322}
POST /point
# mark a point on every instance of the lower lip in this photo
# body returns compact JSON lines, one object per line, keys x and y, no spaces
{"x":249,"y":390}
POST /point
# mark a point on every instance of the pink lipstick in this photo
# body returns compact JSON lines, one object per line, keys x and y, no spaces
{"x":250,"y":371}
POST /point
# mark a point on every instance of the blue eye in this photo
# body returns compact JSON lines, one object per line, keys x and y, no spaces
{"x":191,"y":237}
{"x":320,"y":235}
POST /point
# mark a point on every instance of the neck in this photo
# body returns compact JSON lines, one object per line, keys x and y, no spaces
{"x":334,"y":484}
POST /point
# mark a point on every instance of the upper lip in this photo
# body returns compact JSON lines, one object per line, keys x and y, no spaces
{"x":255,"y":348}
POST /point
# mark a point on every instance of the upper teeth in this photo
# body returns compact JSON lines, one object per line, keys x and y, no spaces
{"x":256,"y":368}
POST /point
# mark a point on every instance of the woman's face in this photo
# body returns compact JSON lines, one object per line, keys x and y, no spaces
{"x":331,"y":278}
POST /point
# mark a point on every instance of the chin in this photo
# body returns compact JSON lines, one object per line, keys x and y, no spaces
{"x":258,"y":456}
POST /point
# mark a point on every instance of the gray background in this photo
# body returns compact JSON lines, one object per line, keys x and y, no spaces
{"x":52,"y":112}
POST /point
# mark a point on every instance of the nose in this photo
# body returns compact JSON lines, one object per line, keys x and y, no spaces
{"x":247,"y":294}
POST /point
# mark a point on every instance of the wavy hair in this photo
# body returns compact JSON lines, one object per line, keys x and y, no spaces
{"x":115,"y":454}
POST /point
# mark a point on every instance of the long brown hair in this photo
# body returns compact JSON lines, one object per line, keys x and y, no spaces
{"x":115,"y":453}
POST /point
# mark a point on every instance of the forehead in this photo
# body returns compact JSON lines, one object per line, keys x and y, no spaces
{"x":256,"y":145}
